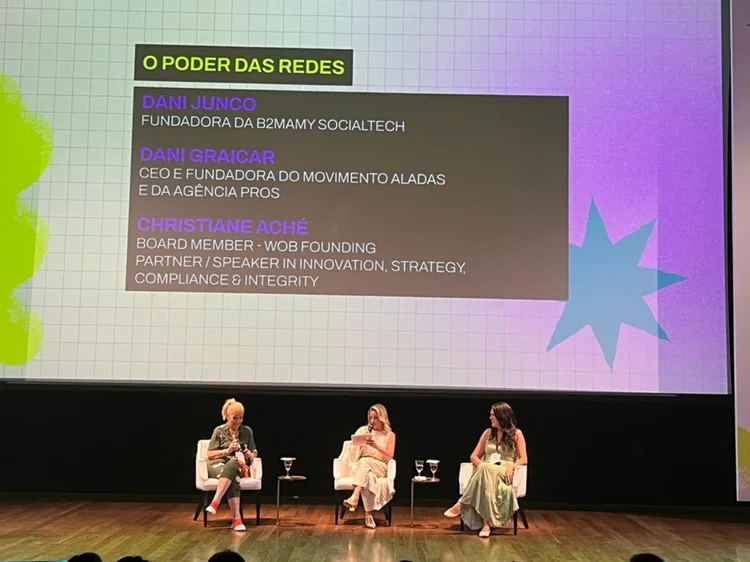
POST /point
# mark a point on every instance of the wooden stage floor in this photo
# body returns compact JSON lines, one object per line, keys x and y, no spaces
{"x":165,"y":532}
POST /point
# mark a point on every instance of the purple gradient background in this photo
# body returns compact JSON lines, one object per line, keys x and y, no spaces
{"x":644,"y":80}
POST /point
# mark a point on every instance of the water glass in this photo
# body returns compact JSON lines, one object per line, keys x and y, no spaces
{"x":288,"y":464}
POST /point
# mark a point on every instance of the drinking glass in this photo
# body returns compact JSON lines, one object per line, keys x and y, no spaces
{"x":288,"y":464}
{"x":433,"y":466}
{"x":419,"y":465}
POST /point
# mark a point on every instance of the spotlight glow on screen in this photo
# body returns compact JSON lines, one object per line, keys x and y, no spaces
{"x":422,"y":194}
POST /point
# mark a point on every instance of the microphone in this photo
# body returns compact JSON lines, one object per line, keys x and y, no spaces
{"x":369,"y":428}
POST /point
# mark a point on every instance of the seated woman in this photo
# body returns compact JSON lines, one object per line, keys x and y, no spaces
{"x":489,"y":499}
{"x":231,"y":450}
{"x":369,"y":467}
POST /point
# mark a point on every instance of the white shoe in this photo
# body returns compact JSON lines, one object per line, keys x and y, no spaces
{"x":452,"y":512}
{"x":484,"y":533}
{"x":238,"y":525}
{"x":370,"y":522}
{"x":211,"y":509}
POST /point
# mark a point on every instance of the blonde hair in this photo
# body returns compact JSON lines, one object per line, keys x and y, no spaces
{"x":231,"y":405}
{"x":382,"y":415}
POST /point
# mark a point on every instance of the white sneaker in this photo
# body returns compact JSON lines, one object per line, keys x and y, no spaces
{"x":238,"y":525}
{"x":211,"y":509}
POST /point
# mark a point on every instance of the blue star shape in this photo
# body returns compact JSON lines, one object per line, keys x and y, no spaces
{"x":607,"y":287}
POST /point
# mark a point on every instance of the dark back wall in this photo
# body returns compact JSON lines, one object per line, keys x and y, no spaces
{"x":627,"y":450}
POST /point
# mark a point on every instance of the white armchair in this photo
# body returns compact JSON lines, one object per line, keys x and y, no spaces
{"x":520,"y":477}
{"x":342,"y":483}
{"x":207,"y":486}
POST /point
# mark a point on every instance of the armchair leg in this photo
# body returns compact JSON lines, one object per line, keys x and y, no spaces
{"x":335,"y":508}
{"x":515,"y":522}
{"x":242,"y":512}
{"x":205,"y":513}
{"x":461,"y":524}
{"x":525,"y":521}
{"x":201,"y":502}
{"x":338,"y":505}
{"x":389,"y":514}
{"x":257,"y":508}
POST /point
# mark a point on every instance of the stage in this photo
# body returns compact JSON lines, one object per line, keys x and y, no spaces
{"x":161,"y":532}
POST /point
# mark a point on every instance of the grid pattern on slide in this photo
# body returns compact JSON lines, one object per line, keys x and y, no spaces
{"x":74,"y":61}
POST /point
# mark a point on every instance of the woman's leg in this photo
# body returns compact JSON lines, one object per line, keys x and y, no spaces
{"x":233,"y":494}
{"x":227,"y":481}
{"x":352,"y":501}
{"x":221,"y":489}
{"x":234,"y":506}
{"x":215,"y":470}
{"x":233,"y":497}
{"x":478,"y":505}
{"x":358,"y":473}
{"x":471,"y":485}
{"x":368,"y":501}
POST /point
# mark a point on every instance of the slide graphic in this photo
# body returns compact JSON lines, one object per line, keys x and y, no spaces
{"x":244,"y":65}
{"x":25,"y":151}
{"x":607,"y":287}
{"x":349,"y":194}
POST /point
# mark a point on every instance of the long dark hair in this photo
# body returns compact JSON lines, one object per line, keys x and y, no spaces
{"x":507,"y":421}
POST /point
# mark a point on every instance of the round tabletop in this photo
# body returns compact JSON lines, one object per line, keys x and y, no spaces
{"x":425,"y":480}
{"x":292,"y":478}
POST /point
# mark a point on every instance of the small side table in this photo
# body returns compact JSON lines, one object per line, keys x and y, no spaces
{"x":416,"y":480}
{"x":292,"y":478}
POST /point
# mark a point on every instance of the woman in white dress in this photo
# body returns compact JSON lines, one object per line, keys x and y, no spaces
{"x":369,"y":467}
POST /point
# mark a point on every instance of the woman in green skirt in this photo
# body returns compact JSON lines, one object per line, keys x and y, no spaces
{"x":489,"y":499}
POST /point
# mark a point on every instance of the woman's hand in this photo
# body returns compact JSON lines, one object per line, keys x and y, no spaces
{"x":509,"y":474}
{"x":249,"y":455}
{"x":233,"y":447}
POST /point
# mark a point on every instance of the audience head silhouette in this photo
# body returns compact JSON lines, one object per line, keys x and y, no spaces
{"x":132,"y":559}
{"x":226,"y":556}
{"x":646,"y":557}
{"x":86,"y":557}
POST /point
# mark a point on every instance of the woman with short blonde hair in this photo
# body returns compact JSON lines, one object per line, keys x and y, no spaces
{"x":231,"y":450}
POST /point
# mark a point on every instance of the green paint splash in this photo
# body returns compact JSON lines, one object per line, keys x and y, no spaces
{"x":25,"y":152}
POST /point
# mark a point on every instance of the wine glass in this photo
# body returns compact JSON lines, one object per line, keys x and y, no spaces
{"x":433,"y":466}
{"x":419,"y":465}
{"x":288,"y":464}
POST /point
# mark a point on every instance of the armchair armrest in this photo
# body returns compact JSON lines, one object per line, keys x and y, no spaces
{"x":391,"y":474}
{"x":342,"y":464}
{"x":464,"y":474}
{"x":519,"y":480}
{"x":256,"y":469}
{"x":201,"y":464}
{"x":340,"y":469}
